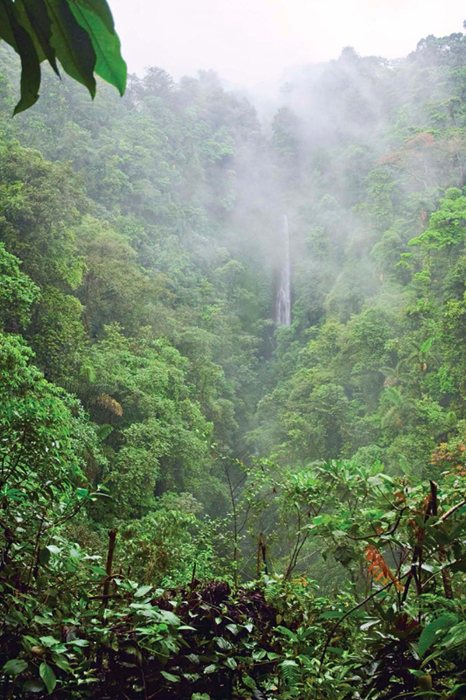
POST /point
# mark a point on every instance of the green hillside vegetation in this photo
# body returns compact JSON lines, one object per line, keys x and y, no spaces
{"x":194,"y":503}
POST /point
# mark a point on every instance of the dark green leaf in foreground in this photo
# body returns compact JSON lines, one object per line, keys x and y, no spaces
{"x":72,"y":44}
{"x":14,"y":667}
{"x":17,"y":36}
{"x":80,"y":35}
{"x":109,"y":64}
{"x":430,"y":633}
{"x":48,"y":676}
{"x":34,"y":17}
{"x":33,"y":686}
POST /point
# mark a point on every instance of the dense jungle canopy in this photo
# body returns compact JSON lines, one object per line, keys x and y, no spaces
{"x":197,"y":502}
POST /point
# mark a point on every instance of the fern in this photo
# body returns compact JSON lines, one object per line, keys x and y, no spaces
{"x":290,"y":672}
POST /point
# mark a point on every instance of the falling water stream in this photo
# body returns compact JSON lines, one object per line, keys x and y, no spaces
{"x":283,"y":308}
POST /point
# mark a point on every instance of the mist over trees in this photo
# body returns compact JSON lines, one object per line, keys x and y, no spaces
{"x":195,"y":501}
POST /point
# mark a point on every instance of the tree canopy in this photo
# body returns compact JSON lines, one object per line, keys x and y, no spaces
{"x":197,"y":503}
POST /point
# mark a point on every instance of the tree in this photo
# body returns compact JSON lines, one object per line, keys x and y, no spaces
{"x":17,"y":293}
{"x":446,"y":225}
{"x":80,"y":34}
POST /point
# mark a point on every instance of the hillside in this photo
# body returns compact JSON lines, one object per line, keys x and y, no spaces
{"x":198,"y":501}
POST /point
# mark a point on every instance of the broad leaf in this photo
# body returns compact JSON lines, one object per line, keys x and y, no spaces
{"x":101,"y":9}
{"x":170,"y":677}
{"x":72,"y":44}
{"x":33,"y":686}
{"x":429,"y":633}
{"x":16,"y":35}
{"x":14,"y":667}
{"x":142,"y":591}
{"x":109,"y":65}
{"x":34,"y":17}
{"x":48,"y":676}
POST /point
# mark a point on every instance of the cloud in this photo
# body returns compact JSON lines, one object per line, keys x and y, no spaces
{"x":249,"y":41}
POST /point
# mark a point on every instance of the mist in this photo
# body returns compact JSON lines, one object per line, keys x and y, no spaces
{"x":252,"y":43}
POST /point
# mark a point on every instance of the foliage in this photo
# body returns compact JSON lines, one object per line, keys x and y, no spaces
{"x":79,"y":34}
{"x":194,"y":503}
{"x":17,"y":293}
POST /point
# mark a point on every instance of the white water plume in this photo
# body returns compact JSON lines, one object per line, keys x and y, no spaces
{"x":283,"y":310}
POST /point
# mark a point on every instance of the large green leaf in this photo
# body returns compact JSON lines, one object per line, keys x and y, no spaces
{"x":429,"y":633}
{"x":33,"y":686}
{"x":78,"y":33}
{"x":72,"y":44}
{"x":35,"y":19}
{"x":101,"y":9}
{"x":110,"y":64}
{"x":17,"y":36}
{"x":6,"y":30}
{"x":30,"y":70}
{"x":14,"y":667}
{"x":48,"y":676}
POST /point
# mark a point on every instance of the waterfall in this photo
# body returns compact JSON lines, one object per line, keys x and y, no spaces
{"x":283,"y":311}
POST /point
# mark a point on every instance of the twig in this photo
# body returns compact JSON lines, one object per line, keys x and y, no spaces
{"x":441,"y":570}
{"x":450,"y":512}
{"x":382,"y":534}
{"x":356,"y":607}
{"x":441,"y":550}
{"x":373,"y":595}
{"x":415,"y":571}
{"x":35,"y":556}
{"x":235,"y":525}
{"x":108,"y":569}
{"x":261,"y":555}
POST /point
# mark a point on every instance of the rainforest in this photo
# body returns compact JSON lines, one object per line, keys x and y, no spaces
{"x":233,"y":385}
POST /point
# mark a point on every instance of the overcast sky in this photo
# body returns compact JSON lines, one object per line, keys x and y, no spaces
{"x":251,"y":41}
